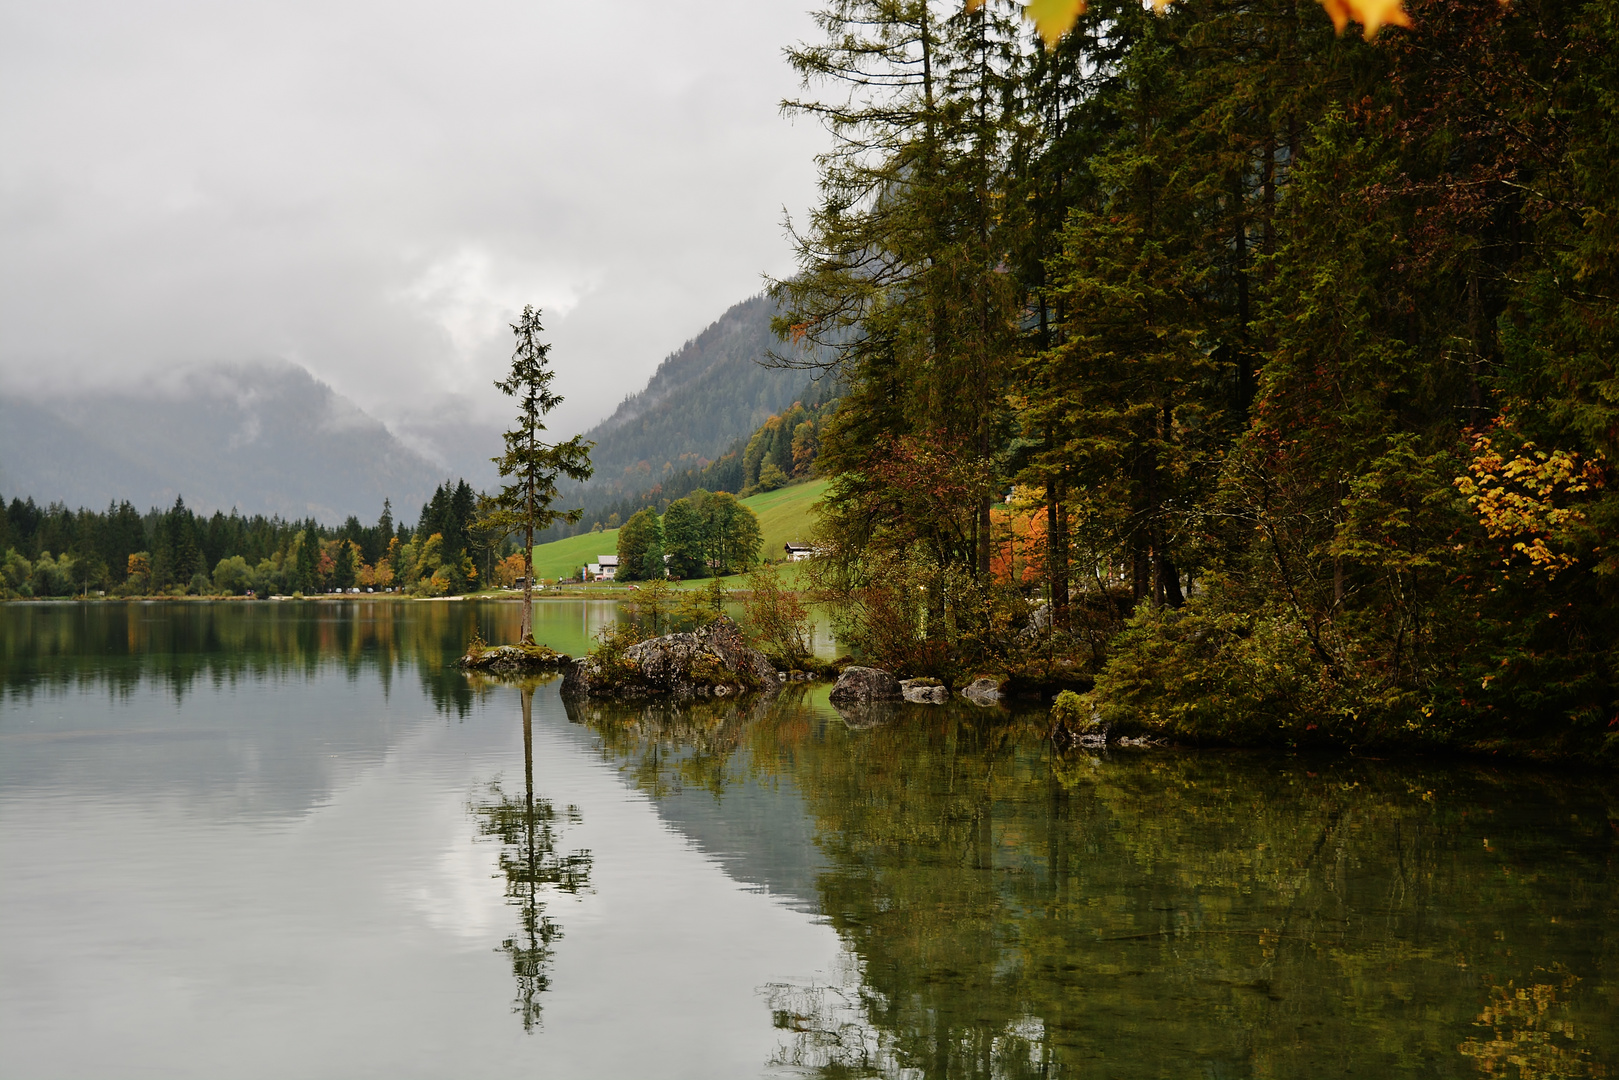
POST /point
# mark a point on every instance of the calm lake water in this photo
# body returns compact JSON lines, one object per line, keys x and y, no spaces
{"x":287,"y":839}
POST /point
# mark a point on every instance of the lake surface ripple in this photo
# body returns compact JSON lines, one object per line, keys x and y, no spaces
{"x":243,"y":840}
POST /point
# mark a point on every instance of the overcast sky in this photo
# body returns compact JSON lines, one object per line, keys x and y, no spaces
{"x":373,"y":190}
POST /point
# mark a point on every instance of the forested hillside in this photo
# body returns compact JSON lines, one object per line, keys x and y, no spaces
{"x":782,"y":449}
{"x":708,"y":393}
{"x":1300,"y":349}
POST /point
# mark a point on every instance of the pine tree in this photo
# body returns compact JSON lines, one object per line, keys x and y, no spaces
{"x":902,"y":271}
{"x":305,"y":577}
{"x":531,"y":465}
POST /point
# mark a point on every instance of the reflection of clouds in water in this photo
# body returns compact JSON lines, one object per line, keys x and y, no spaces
{"x":834,"y":1025}
{"x":825,"y":1022}
{"x":457,"y":893}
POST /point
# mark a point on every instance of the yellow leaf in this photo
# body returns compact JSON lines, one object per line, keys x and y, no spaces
{"x":1371,"y":14}
{"x":1053,"y":18}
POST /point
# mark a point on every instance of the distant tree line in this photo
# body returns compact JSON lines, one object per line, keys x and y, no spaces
{"x":54,"y":551}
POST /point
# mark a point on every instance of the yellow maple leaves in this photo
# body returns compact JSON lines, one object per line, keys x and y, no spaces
{"x":1054,"y":18}
{"x":1524,"y":497}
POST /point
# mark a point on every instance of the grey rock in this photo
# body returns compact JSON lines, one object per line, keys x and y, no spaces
{"x":924,"y":691}
{"x":1039,"y":623}
{"x":860,"y":685}
{"x":982,"y":692}
{"x":712,"y":661}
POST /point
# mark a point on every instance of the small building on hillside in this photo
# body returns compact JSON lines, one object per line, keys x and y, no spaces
{"x":605,"y":568}
{"x":800,"y":552}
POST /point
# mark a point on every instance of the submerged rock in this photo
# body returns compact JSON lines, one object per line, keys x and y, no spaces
{"x":712,"y":661}
{"x":512,"y":658}
{"x":983,"y":691}
{"x":862,"y":685}
{"x":924,"y":691}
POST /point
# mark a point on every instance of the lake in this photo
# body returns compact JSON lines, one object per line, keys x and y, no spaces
{"x":288,"y":839}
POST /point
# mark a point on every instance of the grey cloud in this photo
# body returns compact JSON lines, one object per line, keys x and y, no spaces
{"x":373,"y":190}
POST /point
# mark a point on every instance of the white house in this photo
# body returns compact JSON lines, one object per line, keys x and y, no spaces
{"x":800,"y":552}
{"x":605,"y":568}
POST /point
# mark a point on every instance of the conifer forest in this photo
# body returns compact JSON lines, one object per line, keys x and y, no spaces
{"x":1255,"y":380}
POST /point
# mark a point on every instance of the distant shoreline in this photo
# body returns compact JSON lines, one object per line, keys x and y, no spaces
{"x":577,"y":592}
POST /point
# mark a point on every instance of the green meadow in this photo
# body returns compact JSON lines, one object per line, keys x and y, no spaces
{"x":784,"y":516}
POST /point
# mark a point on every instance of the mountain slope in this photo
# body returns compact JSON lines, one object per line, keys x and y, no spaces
{"x":706,"y":394}
{"x":268,"y":438}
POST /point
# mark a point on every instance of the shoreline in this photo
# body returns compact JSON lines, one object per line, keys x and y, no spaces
{"x":1516,"y":753}
{"x":550,"y":593}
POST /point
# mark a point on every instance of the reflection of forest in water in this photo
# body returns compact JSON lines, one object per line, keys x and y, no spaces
{"x":1009,"y":912}
{"x":51,"y":648}
{"x":528,"y":830}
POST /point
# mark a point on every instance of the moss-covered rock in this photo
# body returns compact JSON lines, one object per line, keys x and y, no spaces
{"x":712,"y":661}
{"x":502,"y":659}
{"x":1074,"y":721}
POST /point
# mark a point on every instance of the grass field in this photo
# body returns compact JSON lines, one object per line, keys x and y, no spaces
{"x":784,"y":516}
{"x":563,"y":558}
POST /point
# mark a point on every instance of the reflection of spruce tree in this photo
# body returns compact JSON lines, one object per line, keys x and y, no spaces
{"x":528,"y":835}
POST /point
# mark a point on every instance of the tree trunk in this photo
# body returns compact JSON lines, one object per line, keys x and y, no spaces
{"x":1140,"y":570}
{"x":1169,"y":583}
{"x":985,"y":522}
{"x":525,"y":633}
{"x":1057,"y":553}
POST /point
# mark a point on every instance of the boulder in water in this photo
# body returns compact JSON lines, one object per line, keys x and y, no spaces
{"x":1075,"y":722}
{"x":863,"y":685}
{"x":924,"y":691}
{"x":712,"y":661}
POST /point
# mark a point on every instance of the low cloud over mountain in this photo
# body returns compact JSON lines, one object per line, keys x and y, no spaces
{"x":265,"y":437}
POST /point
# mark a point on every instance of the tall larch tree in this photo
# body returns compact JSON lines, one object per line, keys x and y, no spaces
{"x":530,"y":466}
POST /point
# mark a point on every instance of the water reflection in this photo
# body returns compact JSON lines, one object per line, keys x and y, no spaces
{"x":528,"y":831}
{"x":52,"y":648}
{"x":1008,"y":912}
{"x":1529,"y":1032}
{"x":223,"y":822}
{"x":668,"y":746}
